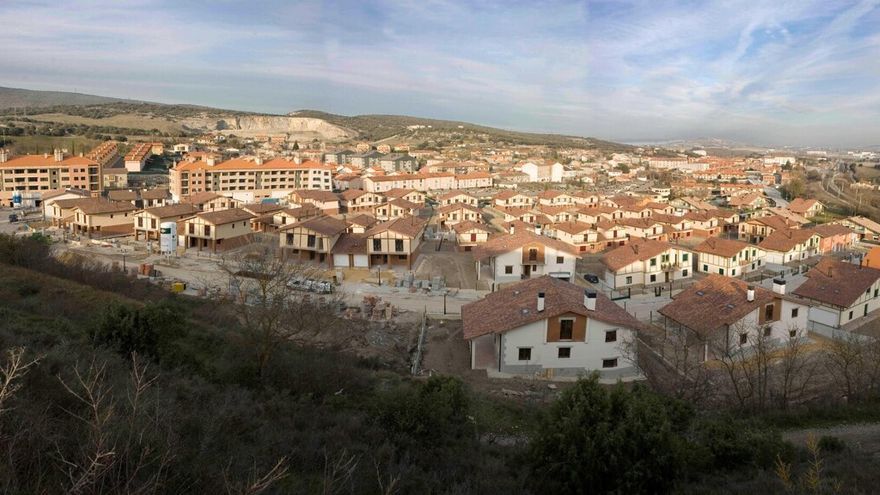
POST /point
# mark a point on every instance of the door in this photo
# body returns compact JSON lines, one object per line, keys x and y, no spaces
{"x":666,"y":276}
{"x":527,"y":270}
{"x":865,"y":313}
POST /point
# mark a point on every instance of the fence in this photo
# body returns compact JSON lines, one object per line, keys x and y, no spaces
{"x":836,"y":333}
{"x":417,"y":358}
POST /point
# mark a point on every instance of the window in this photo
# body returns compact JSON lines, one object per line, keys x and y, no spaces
{"x":768,"y":312}
{"x":629,"y":280}
{"x":653,"y":278}
{"x":653,"y":261}
{"x":794,"y":312}
{"x":564,"y":352}
{"x":705,"y":268}
{"x":377,"y":244}
{"x":560,"y":260}
{"x":850,"y":315}
{"x":743,"y":339}
{"x":733,"y":272}
{"x":525,"y":353}
{"x":508,"y":269}
{"x":611,"y":336}
{"x":684,"y":273}
{"x":533,"y":254}
{"x":398,"y":245}
{"x":566,"y":329}
{"x":310,"y":241}
{"x":792,"y":333}
{"x":768,"y":331}
{"x":609,"y":363}
{"x":684,"y":256}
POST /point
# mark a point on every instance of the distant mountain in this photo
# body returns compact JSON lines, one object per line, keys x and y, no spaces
{"x":17,"y":97}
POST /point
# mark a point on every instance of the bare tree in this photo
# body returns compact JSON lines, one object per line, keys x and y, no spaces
{"x":338,"y":471}
{"x":747,"y":366}
{"x":795,"y":369}
{"x":11,"y":374}
{"x":845,"y":362}
{"x":268,"y":309}
{"x":258,"y":483}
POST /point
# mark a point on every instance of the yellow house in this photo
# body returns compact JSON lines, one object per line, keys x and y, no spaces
{"x":216,"y":229}
{"x":147,"y":221}
{"x":94,"y":215}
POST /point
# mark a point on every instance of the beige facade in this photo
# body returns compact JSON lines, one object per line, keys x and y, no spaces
{"x":32,"y":174}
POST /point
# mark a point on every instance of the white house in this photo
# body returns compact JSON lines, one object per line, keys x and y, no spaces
{"x":523,"y":254}
{"x":728,"y":257}
{"x":645,"y":263}
{"x":841,"y":292}
{"x":728,"y":315}
{"x":549,"y":328}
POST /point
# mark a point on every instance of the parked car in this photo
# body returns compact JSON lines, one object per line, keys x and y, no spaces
{"x":13,"y":218}
{"x":591,"y":278}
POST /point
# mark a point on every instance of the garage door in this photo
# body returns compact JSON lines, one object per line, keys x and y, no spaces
{"x":340,"y":260}
{"x":361,"y":261}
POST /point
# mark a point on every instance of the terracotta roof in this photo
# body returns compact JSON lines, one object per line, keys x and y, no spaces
{"x":831,"y":230}
{"x":516,"y":305}
{"x":262,"y":208}
{"x":453,"y":194}
{"x":458,"y":206}
{"x":722,"y":247}
{"x":350,"y":194}
{"x":200,"y":198}
{"x":122,"y":195}
{"x":785,"y":240}
{"x":362,"y":219}
{"x":315,"y":194}
{"x":837,"y":283}
{"x":508,"y":242}
{"x":172,"y":210}
{"x":323,"y":225}
{"x":635,"y":250}
{"x":224,"y":216}
{"x":404,"y":203}
{"x":350,"y":244}
{"x":409,"y":226}
{"x":715,"y":301}
{"x":801,"y":205}
{"x":155,"y":194}
{"x":99,"y":206}
{"x":866,"y":223}
{"x":46,"y":161}
{"x":469,"y":225}
{"x":774,"y":222}
{"x":398,"y":192}
{"x":572,"y":227}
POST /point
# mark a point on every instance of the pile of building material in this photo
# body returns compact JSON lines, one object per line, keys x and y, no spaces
{"x":436,"y":284}
{"x":374,"y":308}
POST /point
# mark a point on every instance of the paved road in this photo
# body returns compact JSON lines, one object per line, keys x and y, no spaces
{"x":776,"y":196}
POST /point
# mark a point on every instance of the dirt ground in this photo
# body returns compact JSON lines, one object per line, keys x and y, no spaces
{"x":457,"y":268}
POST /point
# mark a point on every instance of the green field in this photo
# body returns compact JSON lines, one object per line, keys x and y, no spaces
{"x":22,"y":145}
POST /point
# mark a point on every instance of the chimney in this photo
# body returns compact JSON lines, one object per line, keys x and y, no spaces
{"x":590,"y":299}
{"x":512,"y":229}
{"x":59,"y":155}
{"x":750,"y":294}
{"x":210,"y":161}
{"x":4,"y":155}
{"x":258,"y":160}
{"x":635,"y":248}
{"x":538,"y":229}
{"x":540,"y":301}
{"x":779,"y":285}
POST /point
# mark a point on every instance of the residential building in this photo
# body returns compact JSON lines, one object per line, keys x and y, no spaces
{"x":31,"y":175}
{"x":395,"y":242}
{"x":523,"y":254}
{"x":866,"y":228}
{"x":470,"y":234}
{"x":728,"y":257}
{"x":549,"y":328}
{"x":459,"y":212}
{"x":646,"y":262}
{"x":147,"y":222}
{"x":727,"y":315}
{"x":100,"y":217}
{"x":840,"y":292}
{"x":312,"y":239}
{"x":785,"y":246}
{"x":809,"y":208}
{"x":217,"y":230}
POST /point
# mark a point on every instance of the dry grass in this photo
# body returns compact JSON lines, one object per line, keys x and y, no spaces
{"x":45,"y":144}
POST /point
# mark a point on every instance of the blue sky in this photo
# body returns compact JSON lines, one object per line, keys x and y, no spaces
{"x":780,"y":72}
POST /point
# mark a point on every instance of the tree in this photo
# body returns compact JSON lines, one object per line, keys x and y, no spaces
{"x":596,"y":441}
{"x":268,"y":311}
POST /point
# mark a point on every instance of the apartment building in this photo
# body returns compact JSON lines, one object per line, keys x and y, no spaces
{"x":419,"y":182}
{"x":33,"y":174}
{"x":251,"y":176}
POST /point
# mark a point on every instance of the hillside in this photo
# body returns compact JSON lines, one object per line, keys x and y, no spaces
{"x":20,"y":107}
{"x":400,"y":128}
{"x":17,"y":97}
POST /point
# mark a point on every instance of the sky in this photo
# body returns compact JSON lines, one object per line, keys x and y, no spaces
{"x":775,"y":73}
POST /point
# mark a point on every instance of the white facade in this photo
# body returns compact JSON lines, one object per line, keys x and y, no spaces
{"x":669,"y":266}
{"x":511,"y":267}
{"x":750,"y":258}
